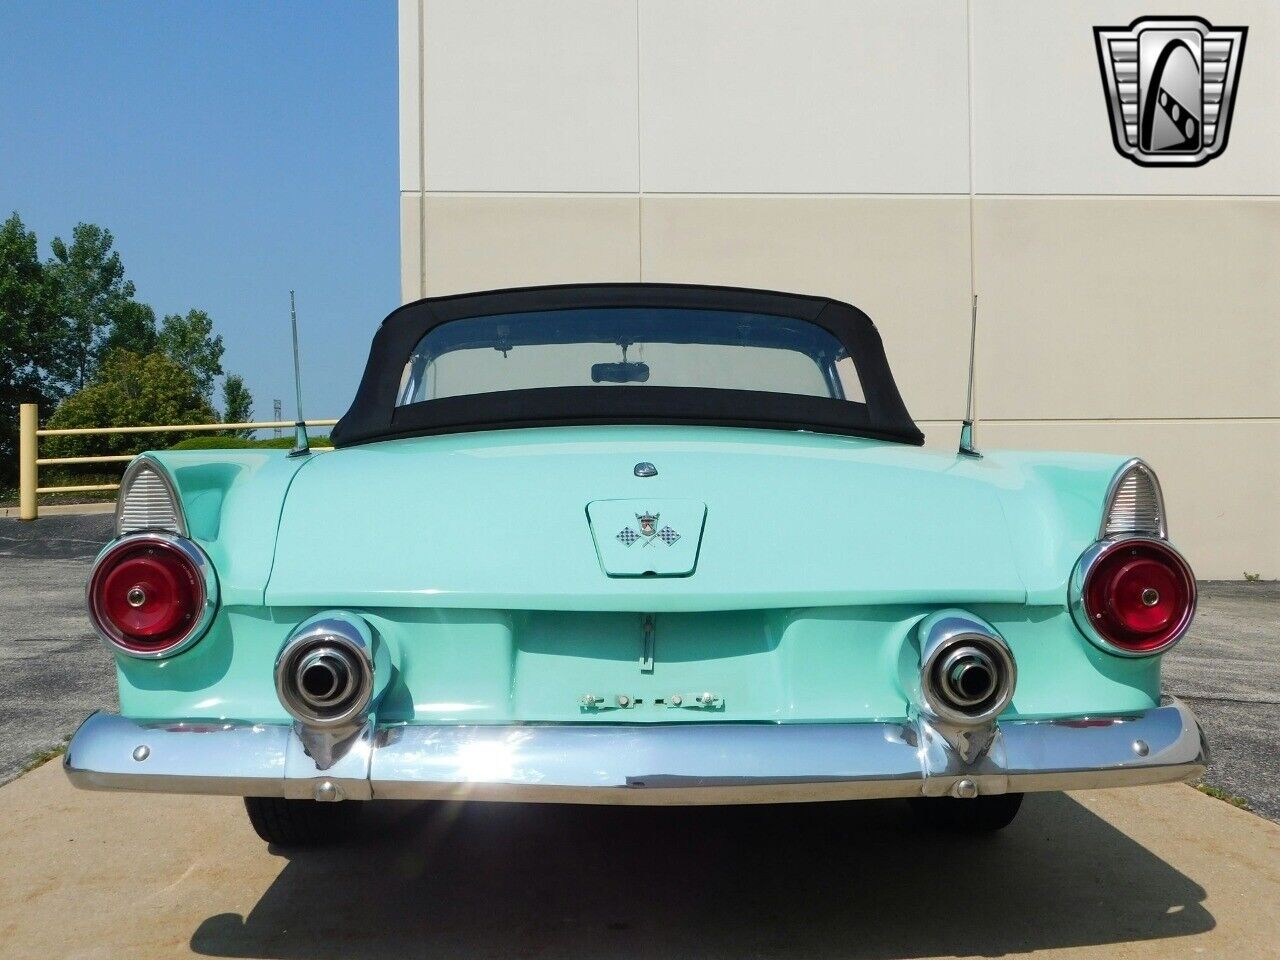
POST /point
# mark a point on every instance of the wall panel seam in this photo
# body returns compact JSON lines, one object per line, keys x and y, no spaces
{"x":665,"y":195}
{"x":677,"y":195}
{"x":639,"y":157}
{"x":422,"y":147}
{"x":1130,"y":196}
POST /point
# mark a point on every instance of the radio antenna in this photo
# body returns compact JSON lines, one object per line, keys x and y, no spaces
{"x":301,"y":446}
{"x":967,"y":448}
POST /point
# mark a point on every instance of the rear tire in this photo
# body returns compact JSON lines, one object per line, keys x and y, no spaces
{"x":979,"y":815}
{"x":301,"y":823}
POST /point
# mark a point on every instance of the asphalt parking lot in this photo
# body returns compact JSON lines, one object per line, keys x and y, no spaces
{"x":53,"y":671}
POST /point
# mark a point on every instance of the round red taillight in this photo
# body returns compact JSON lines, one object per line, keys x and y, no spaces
{"x":1139,"y":595}
{"x":149,"y":594}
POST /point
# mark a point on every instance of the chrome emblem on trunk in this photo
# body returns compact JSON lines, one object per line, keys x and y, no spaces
{"x":649,"y":532}
{"x":646,"y":523}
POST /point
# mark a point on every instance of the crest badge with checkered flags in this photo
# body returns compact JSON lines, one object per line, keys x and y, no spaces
{"x":648,"y":533}
{"x":1170,"y":84}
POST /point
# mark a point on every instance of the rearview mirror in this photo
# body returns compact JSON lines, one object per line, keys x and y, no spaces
{"x":619,"y":372}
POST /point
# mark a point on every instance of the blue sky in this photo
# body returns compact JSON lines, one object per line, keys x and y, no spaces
{"x":235,"y":150}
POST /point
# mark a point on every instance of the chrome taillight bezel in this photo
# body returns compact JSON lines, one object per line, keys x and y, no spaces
{"x":203,"y":616}
{"x":1085,"y":567}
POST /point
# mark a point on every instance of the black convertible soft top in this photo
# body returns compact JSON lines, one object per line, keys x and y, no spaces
{"x":374,"y":414}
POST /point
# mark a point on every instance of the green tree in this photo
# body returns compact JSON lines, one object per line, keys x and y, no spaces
{"x":190,"y":342}
{"x":92,"y":292}
{"x":71,"y":325}
{"x":237,"y":403}
{"x":31,"y":333}
{"x":133,"y":390}
{"x":133,"y":328}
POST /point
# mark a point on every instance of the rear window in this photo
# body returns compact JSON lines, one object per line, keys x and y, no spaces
{"x":610,"y":346}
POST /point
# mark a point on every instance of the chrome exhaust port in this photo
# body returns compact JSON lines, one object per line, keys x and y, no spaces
{"x":967,"y":671}
{"x":969,"y":676}
{"x":324,"y":674}
{"x":326,"y":677}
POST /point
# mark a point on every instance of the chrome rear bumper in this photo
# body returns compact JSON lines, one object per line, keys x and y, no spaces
{"x":690,"y":763}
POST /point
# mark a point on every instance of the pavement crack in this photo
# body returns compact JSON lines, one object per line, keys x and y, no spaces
{"x":83,"y":638}
{"x":1240,"y":700}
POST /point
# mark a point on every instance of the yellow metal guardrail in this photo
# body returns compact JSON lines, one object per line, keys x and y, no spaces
{"x":29,"y":462}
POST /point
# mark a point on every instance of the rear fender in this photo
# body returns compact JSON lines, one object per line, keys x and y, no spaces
{"x":233,"y":500}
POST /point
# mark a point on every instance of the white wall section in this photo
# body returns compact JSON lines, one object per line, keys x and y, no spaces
{"x":829,"y":147}
{"x":807,"y":96}
{"x":530,"y":95}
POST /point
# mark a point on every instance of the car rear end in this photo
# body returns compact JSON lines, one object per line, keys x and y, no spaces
{"x":382,"y":657}
{"x":636,"y":544}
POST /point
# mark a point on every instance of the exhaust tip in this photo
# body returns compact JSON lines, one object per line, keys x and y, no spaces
{"x":967,"y":675}
{"x":324,"y":678}
{"x":318,"y":682}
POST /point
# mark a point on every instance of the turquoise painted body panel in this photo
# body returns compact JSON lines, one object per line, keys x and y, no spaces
{"x":490,"y":666}
{"x":232,"y":500}
{"x":498,"y":520}
{"x":472,"y":557}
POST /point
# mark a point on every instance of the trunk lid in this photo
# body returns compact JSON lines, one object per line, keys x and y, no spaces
{"x":531,"y":519}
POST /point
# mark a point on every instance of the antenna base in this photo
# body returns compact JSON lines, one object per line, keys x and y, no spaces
{"x":301,"y":445}
{"x":967,"y":449}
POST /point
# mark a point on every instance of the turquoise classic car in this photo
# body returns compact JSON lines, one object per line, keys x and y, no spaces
{"x":635,"y":543}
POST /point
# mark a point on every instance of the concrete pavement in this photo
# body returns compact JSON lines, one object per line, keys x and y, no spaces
{"x":1155,"y":872}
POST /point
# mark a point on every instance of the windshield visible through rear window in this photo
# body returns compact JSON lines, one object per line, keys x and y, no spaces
{"x":634,"y":346}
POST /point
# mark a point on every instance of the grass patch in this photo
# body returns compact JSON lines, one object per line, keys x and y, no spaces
{"x":41,"y":757}
{"x":241,"y":443}
{"x":52,"y":499}
{"x":1219,"y":794}
{"x":90,"y":474}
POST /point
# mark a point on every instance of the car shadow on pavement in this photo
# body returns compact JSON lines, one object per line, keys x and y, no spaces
{"x":815,"y":880}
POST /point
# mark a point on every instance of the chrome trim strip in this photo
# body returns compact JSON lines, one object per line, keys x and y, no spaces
{"x":135,"y":467}
{"x":1075,"y":596}
{"x":657,"y":764}
{"x":203,"y":565}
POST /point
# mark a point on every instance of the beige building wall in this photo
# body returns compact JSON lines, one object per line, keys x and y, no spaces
{"x":900,"y":156}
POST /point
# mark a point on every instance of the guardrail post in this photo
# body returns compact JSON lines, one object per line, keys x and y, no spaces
{"x":28,"y":422}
